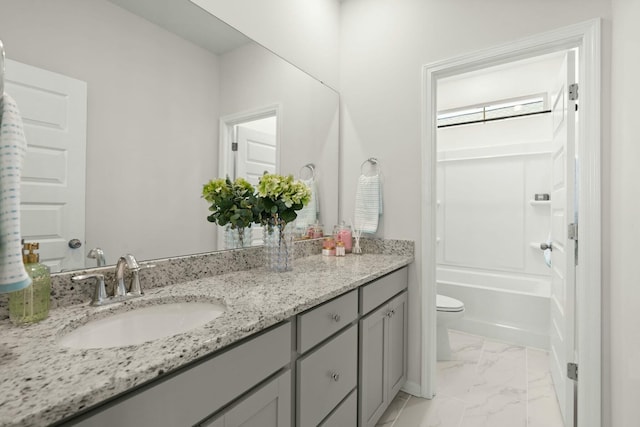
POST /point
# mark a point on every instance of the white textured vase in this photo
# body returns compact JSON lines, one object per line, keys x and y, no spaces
{"x":278,"y":247}
{"x":237,"y":238}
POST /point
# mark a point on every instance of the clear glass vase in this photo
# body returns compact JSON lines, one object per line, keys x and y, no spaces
{"x":236,"y":238}
{"x":278,"y":245}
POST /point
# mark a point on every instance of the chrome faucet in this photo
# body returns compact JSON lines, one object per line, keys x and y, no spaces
{"x":120,"y":291}
{"x":98,"y":255}
{"x":134,"y":288}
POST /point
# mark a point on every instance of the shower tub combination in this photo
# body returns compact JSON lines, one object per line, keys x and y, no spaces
{"x":507,"y":307}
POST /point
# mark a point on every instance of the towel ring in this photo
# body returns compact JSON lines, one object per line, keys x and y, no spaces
{"x":310,"y":167}
{"x":375,"y":165}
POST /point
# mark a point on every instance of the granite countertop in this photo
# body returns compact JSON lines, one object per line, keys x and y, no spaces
{"x":43,"y":382}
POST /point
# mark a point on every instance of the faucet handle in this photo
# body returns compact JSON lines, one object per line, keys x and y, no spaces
{"x":136,"y":287}
{"x":99,"y":292}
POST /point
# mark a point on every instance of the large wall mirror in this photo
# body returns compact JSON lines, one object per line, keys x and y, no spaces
{"x":145,"y":91}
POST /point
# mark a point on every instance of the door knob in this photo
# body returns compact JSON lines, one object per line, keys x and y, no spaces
{"x":75,"y":243}
{"x":545,"y":246}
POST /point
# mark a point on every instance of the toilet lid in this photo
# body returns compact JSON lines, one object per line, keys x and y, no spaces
{"x":445,"y":303}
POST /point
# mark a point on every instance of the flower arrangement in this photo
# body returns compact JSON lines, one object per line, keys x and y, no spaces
{"x":273,"y":205}
{"x":279,"y":197}
{"x":232,"y":203}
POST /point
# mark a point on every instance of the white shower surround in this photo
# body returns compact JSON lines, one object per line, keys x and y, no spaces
{"x":508,"y":307}
{"x":488,"y":228}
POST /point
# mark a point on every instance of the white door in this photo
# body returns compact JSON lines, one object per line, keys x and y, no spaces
{"x":563,"y":253}
{"x":256,"y":154}
{"x":54,"y":113}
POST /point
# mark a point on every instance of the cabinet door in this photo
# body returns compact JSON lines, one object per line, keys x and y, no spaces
{"x":373,"y":357}
{"x":397,"y":341}
{"x":269,"y":406}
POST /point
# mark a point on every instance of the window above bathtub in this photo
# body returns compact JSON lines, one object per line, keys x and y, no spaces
{"x":495,"y":110}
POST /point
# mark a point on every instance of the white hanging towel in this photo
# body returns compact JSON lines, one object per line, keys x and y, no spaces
{"x":309,"y":214}
{"x":13,"y":147}
{"x":368,"y":203}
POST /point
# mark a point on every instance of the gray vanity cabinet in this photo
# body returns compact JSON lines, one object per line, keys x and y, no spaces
{"x":373,"y":357}
{"x":383,"y":345}
{"x":327,"y":368}
{"x":187,"y":397}
{"x":346,"y":414}
{"x":397,"y":338}
{"x":268,"y":406}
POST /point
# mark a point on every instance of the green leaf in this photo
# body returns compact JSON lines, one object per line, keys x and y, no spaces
{"x":288,"y":215}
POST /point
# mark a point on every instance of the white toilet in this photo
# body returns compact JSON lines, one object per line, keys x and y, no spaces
{"x":448,"y":309}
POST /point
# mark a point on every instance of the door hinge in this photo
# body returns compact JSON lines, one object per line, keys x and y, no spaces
{"x":572,"y":371}
{"x":572,"y":233}
{"x":234,"y":146}
{"x":573,"y":91}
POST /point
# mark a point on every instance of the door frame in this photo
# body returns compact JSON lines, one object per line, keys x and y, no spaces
{"x":586,"y":37}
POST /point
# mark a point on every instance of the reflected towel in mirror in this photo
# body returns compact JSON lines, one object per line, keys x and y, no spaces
{"x":308,"y":215}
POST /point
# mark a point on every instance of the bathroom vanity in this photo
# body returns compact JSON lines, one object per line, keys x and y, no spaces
{"x":315,"y":346}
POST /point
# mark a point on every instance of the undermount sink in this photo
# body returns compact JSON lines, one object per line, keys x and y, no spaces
{"x":142,"y":324}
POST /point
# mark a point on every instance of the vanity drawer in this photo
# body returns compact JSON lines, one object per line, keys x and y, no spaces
{"x":382,"y":289}
{"x":326,"y":376}
{"x":346,"y":414}
{"x":320,"y":323}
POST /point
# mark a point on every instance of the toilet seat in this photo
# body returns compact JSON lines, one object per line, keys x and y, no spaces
{"x":448,"y":304}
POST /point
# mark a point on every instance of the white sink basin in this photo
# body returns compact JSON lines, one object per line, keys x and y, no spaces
{"x":141,"y":325}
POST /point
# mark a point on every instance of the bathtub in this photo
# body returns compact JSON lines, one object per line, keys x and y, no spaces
{"x":507,"y":307}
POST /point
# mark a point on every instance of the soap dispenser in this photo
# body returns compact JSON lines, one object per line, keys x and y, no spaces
{"x":31,"y":304}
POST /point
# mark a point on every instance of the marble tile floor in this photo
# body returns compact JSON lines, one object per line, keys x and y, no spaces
{"x":488,"y":384}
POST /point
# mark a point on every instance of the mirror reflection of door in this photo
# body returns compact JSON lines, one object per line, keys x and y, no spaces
{"x":254,"y":153}
{"x":54,"y":114}
{"x":256,"y":148}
